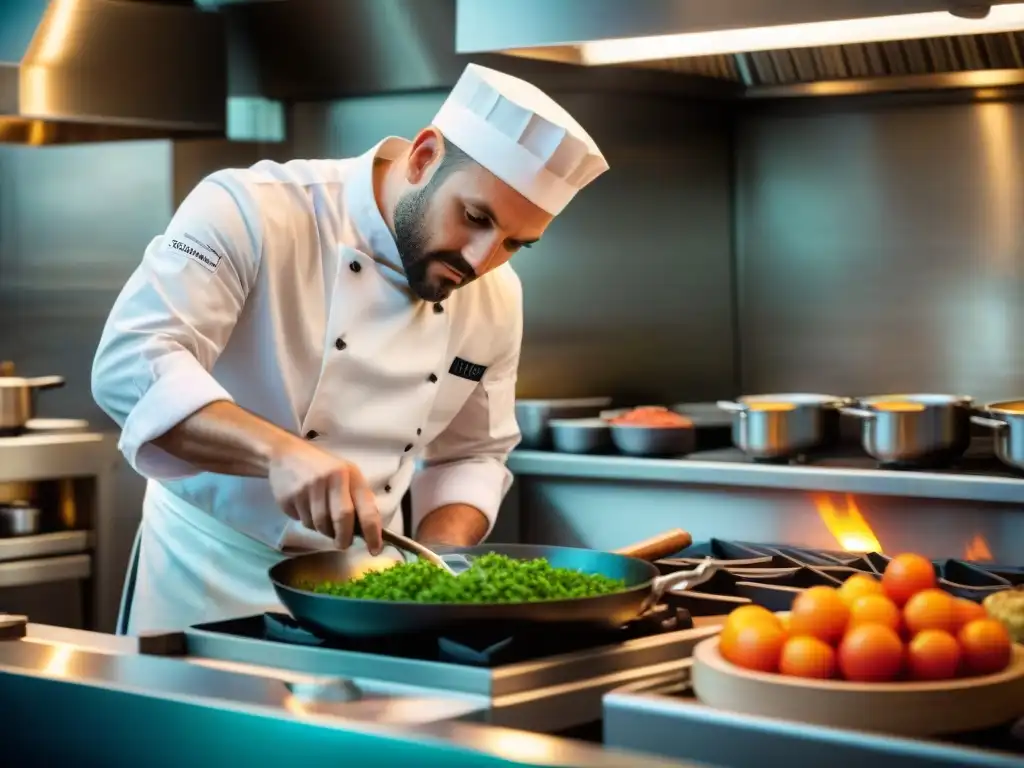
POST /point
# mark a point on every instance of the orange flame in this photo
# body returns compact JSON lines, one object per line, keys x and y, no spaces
{"x":977,"y":550}
{"x":848,"y":526}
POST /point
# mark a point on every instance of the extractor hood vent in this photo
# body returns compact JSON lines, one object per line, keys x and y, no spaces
{"x":990,"y":55}
{"x":867,"y":45}
{"x":86,"y":70}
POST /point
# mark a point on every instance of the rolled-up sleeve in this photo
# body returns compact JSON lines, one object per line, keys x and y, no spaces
{"x":173,"y":318}
{"x":466,"y":463}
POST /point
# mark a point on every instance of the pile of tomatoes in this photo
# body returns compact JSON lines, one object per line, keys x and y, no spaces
{"x":869,"y":630}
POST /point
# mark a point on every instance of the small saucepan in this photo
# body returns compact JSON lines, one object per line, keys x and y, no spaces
{"x":781,"y":427}
{"x":17,"y":403}
{"x":918,"y":430}
{"x":1006,"y":420}
{"x":18,"y":518}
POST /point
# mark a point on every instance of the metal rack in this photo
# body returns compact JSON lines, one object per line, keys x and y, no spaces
{"x":87,"y":462}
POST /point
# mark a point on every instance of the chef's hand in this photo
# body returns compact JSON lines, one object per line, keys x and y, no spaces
{"x":325,"y":493}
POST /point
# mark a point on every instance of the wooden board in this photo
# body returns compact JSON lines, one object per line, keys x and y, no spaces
{"x":901,"y":708}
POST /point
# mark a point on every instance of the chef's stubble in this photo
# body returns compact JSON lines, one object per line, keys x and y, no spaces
{"x":411,"y":236}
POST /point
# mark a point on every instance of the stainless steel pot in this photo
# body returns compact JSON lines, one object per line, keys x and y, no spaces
{"x":1006,"y":420}
{"x":924,"y":430}
{"x":773,"y":427}
{"x":18,"y":519}
{"x":17,"y":402}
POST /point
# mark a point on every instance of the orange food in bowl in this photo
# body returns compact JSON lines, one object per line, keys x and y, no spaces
{"x":807,"y":657}
{"x":651,"y":416}
{"x":871,"y":653}
{"x":986,"y":647}
{"x":859,"y":585}
{"x":967,"y":611}
{"x":819,"y":612}
{"x":906,"y":575}
{"x":930,"y":609}
{"x":875,"y":609}
{"x":756,"y":646}
{"x":751,"y":614}
{"x":933,"y":654}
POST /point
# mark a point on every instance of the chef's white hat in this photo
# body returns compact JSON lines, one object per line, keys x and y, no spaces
{"x":518,"y":133}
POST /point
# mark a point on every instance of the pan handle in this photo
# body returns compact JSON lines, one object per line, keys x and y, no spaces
{"x":685,"y":579}
{"x":656,"y":547}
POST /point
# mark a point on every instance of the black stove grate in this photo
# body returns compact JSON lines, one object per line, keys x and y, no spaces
{"x":773,"y":574}
{"x":467,"y":649}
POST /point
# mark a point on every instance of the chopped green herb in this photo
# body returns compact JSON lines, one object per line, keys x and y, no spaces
{"x":491,"y":578}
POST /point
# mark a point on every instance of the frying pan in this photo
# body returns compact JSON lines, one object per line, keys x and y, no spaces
{"x":331,"y":616}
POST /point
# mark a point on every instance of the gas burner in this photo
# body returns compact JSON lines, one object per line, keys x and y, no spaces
{"x":478,"y":649}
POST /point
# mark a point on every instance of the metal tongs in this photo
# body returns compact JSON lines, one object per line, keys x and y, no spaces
{"x":405,"y":544}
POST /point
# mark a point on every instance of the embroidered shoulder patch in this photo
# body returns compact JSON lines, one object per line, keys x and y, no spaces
{"x":467,"y":370}
{"x":195,"y":249}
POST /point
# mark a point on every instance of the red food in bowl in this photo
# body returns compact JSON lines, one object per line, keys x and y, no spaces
{"x":651,"y":416}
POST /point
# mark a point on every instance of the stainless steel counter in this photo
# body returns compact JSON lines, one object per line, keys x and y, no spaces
{"x":115,"y":706}
{"x":729,"y":467}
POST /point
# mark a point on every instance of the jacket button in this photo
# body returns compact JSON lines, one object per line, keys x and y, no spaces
{"x":438,"y":309}
{"x":312,"y":434}
{"x":387,"y":489}
{"x":419,"y":431}
{"x":408,"y":447}
{"x":432,"y":378}
{"x":355,"y":266}
{"x":339,"y":344}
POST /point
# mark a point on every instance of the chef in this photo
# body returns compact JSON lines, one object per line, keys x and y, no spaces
{"x":303,"y":335}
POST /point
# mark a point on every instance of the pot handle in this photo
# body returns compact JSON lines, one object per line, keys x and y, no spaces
{"x":857,"y":413}
{"x":45,"y":382}
{"x":731,"y":407}
{"x":843,"y":402}
{"x":983,"y":421}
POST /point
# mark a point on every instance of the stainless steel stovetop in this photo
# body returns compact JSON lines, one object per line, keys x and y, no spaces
{"x":979,"y":460}
{"x":545,"y":681}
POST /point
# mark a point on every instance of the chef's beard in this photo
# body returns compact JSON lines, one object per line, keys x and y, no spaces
{"x":411,"y":238}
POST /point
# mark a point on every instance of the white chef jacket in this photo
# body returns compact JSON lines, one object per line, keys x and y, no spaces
{"x":279,"y":288}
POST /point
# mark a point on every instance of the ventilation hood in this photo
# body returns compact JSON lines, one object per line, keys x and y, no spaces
{"x":786,"y":48}
{"x":100,"y":70}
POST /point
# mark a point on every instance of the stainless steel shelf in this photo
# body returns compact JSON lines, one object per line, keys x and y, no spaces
{"x":46,"y":457}
{"x":45,"y":545}
{"x":829,"y":479}
{"x":22,"y":573}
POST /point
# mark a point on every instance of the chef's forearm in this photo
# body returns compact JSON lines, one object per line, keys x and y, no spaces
{"x":224,"y":438}
{"x":458,"y":525}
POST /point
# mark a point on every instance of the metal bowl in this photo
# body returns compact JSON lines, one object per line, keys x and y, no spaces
{"x":534,"y":416}
{"x":654,"y":441}
{"x":591,"y":435}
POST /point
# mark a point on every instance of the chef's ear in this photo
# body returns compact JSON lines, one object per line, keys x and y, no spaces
{"x":424,"y":155}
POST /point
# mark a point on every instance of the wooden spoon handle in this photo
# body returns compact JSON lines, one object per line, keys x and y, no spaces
{"x":662,"y":545}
